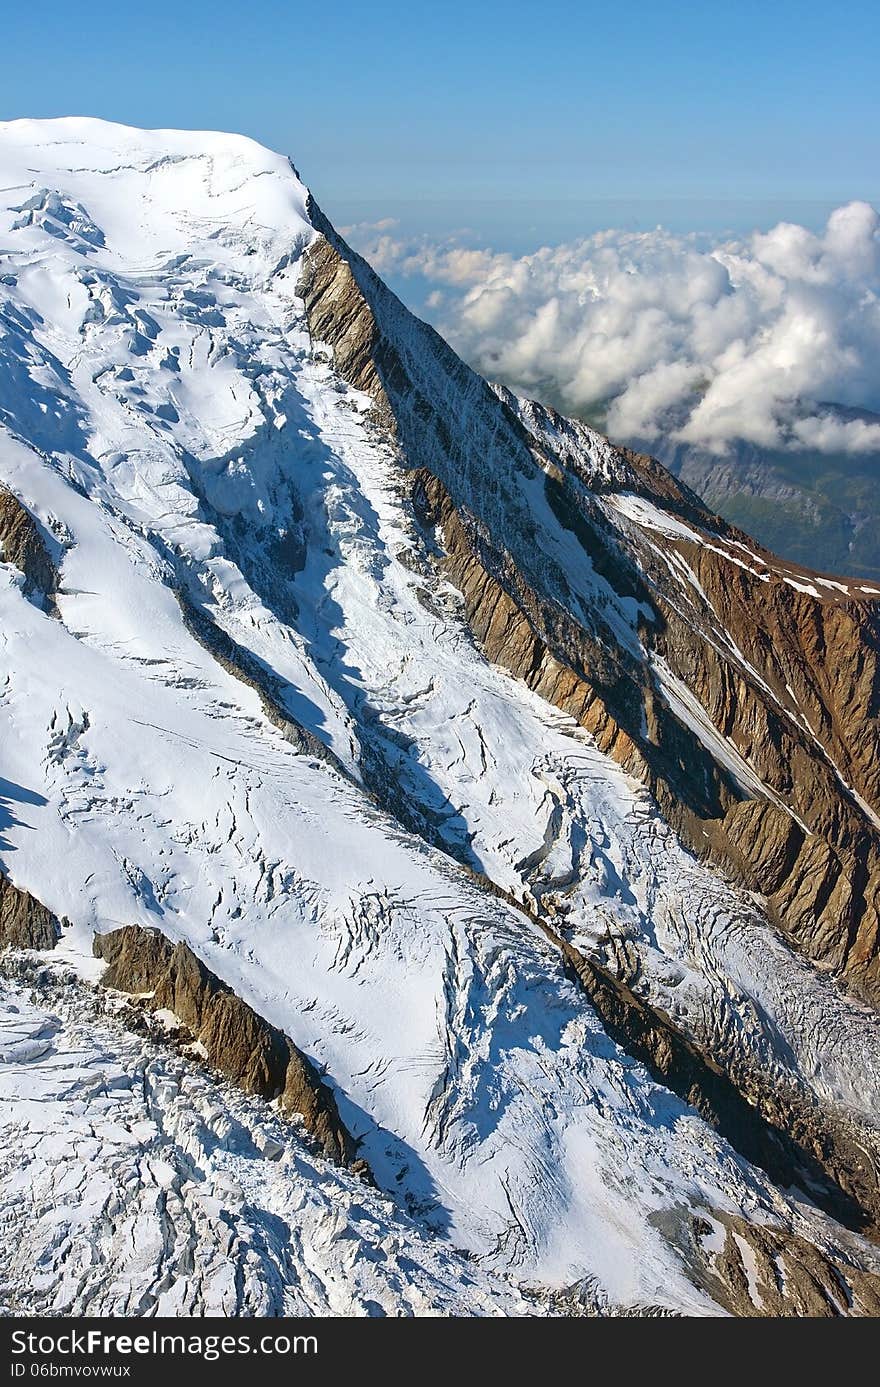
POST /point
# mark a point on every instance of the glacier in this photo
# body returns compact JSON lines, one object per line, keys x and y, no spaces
{"x":196,"y":464}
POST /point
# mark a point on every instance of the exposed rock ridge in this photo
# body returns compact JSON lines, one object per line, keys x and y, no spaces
{"x":25,"y":923}
{"x":21,"y":544}
{"x":235,"y":1040}
{"x":819,"y":868}
{"x":444,"y":415}
{"x":764,"y":1272}
{"x":618,"y":682}
{"x":604,"y":466}
{"x":244,"y":666}
{"x":785,"y":666}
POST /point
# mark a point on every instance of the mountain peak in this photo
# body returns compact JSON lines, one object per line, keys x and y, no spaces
{"x":156,"y":192}
{"x":416,"y":740}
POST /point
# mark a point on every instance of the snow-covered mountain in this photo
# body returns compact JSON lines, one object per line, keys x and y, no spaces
{"x":510,"y":823}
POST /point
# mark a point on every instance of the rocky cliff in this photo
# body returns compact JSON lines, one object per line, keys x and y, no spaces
{"x":775,"y":778}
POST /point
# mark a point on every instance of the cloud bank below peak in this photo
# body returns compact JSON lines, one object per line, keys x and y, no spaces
{"x":704,"y":343}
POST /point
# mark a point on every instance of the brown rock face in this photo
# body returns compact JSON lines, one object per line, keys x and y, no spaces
{"x":243,"y":1046}
{"x":22,"y":545}
{"x":791,"y":679}
{"x":24,"y":922}
{"x":765,"y":1272}
{"x":784,"y":665}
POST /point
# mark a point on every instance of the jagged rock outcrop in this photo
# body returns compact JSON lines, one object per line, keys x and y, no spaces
{"x":22,"y":544}
{"x":821,"y":881}
{"x":25,"y":923}
{"x":766,"y":1272}
{"x":792,"y":679}
{"x":235,"y":1040}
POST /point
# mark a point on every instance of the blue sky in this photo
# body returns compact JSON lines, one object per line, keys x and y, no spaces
{"x":538,"y":121}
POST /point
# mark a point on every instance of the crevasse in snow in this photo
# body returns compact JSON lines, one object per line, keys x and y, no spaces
{"x":186,"y":446}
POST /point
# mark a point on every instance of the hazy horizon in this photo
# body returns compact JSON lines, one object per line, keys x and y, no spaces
{"x":464,"y":105}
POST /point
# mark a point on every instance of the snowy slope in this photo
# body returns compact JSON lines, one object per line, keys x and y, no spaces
{"x":187,"y":449}
{"x":136,"y":1186}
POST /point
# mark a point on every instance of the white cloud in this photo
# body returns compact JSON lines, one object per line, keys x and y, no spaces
{"x":361,"y":229}
{"x":827,"y":434}
{"x":678,"y":337}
